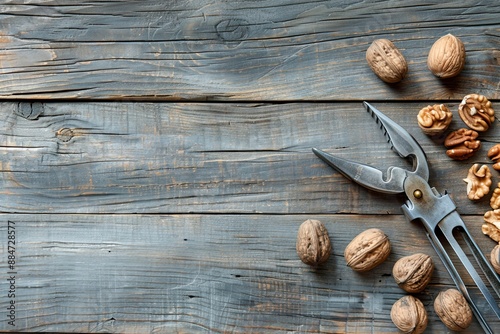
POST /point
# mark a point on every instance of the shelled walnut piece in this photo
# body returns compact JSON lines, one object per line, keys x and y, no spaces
{"x":434,"y":120}
{"x":313,"y":243}
{"x":495,"y":258}
{"x":491,"y":226}
{"x":453,"y":309}
{"x":478,"y":182}
{"x":495,"y":198}
{"x":476,"y":111}
{"x":462,"y":144}
{"x":494,"y":154}
{"x":409,"y":315}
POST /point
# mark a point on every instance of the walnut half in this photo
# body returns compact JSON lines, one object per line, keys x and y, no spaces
{"x":494,"y":154}
{"x":434,"y":120}
{"x":491,"y":226}
{"x":478,"y":182}
{"x":476,"y":111}
{"x":462,"y":144}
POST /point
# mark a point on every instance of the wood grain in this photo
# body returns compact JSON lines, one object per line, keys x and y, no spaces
{"x":209,"y":158}
{"x":205,"y":273}
{"x":238,"y":50}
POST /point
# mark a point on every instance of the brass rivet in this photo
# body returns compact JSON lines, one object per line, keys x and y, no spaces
{"x":417,"y":193}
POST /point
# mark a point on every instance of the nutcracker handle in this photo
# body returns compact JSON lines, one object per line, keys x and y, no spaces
{"x":438,"y":214}
{"x":449,"y":227}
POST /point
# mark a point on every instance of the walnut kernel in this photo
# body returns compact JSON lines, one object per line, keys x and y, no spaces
{"x":453,"y":309}
{"x":412,"y":273}
{"x":478,"y":182}
{"x":495,"y":258}
{"x":313,"y":244}
{"x":434,"y":120}
{"x":491,"y":227}
{"x":495,"y":198}
{"x":462,"y":144}
{"x":386,"y":61}
{"x":475,"y":110}
{"x":367,"y":250}
{"x":494,"y":154}
{"x":409,"y":315}
{"x":446,"y":57}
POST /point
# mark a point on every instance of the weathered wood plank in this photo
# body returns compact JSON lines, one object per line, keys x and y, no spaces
{"x":238,"y":50}
{"x":206,"y":157}
{"x":203,"y":273}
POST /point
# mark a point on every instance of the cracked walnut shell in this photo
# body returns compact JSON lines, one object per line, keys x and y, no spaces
{"x":453,"y":310}
{"x":462,"y":144}
{"x":434,"y":120}
{"x":478,"y":182}
{"x":386,"y":61}
{"x":494,"y":154}
{"x":475,"y":110}
{"x":446,"y":57}
{"x":409,"y":315}
{"x":313,"y":244}
{"x":367,"y":250}
{"x":412,"y":273}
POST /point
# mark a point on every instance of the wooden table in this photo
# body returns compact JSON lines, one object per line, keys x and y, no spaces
{"x":156,"y":160}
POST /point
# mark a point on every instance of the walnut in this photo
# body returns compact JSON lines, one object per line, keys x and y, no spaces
{"x":491,"y":227}
{"x":495,"y":198}
{"x":494,"y":154}
{"x":434,"y":120}
{"x":492,"y":231}
{"x":453,"y":310}
{"x":475,"y":110}
{"x":409,"y":315}
{"x":386,"y":61}
{"x":478,"y":182}
{"x":462,"y":144}
{"x":367,"y":250}
{"x":313,"y":244}
{"x":413,"y":273}
{"x":447,"y":57}
{"x":495,"y":258}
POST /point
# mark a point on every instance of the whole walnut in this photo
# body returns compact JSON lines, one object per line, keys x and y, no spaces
{"x":386,"y":61}
{"x":462,"y":144}
{"x":447,"y":57}
{"x":495,"y":258}
{"x":367,"y":250}
{"x":453,"y":310}
{"x":412,"y":273}
{"x":409,"y":315}
{"x":313,"y":244}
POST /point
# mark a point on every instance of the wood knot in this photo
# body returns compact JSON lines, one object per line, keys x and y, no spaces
{"x":29,"y":110}
{"x":64,"y":134}
{"x":233,"y":30}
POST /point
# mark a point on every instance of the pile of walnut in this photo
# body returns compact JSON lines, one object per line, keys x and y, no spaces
{"x":412,"y":273}
{"x":477,"y":113}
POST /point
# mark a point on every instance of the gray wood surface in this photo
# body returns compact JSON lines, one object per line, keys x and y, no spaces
{"x":155,"y":160}
{"x":238,"y":50}
{"x":210,"y":158}
{"x":206,"y":273}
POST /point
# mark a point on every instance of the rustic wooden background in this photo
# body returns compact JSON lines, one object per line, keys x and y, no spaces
{"x":156,"y":159}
